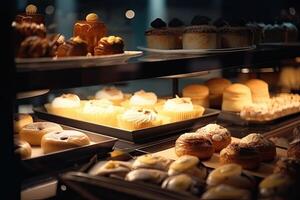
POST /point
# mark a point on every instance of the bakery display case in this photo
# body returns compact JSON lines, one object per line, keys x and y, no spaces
{"x":141,"y":101}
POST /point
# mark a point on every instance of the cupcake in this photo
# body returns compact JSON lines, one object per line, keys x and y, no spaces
{"x":73,"y":47}
{"x":200,"y":35}
{"x":30,"y":16}
{"x":137,"y":118}
{"x":234,"y":34}
{"x":290,"y":32}
{"x":176,"y":27}
{"x":216,"y":87}
{"x":179,"y":109}
{"x":266,"y":148}
{"x":109,"y":45}
{"x":67,"y":105}
{"x":198,"y":94}
{"x":273,"y":33}
{"x":112,"y":94}
{"x":160,"y":37}
{"x":257,"y":31}
{"x":219,"y":135}
{"x":142,"y":99}
{"x":100,"y":112}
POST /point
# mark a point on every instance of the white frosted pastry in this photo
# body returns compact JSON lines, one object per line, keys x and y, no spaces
{"x":179,"y":104}
{"x":111,"y":93}
{"x":143,"y":99}
{"x":137,"y":118}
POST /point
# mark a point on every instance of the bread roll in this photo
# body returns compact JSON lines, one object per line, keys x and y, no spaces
{"x":259,"y":90}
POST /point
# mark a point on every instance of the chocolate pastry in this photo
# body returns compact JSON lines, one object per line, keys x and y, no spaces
{"x":175,"y":22}
{"x":73,"y":47}
{"x":158,"y":23}
{"x":109,"y":45}
{"x":200,"y":20}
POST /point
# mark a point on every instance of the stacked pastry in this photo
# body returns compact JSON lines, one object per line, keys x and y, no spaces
{"x":111,"y":107}
{"x":49,"y":136}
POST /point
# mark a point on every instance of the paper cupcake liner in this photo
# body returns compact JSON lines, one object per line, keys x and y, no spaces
{"x":183,"y":115}
{"x":65,"y":112}
{"x":201,"y":102}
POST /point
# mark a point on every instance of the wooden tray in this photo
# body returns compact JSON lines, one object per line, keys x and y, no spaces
{"x":264,"y":170}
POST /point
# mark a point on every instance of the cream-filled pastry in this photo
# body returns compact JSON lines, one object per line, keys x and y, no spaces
{"x":152,"y":161}
{"x":111,"y":93}
{"x":143,"y":99}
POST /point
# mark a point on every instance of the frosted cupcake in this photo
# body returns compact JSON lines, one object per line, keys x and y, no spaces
{"x":67,"y":105}
{"x":111,"y":93}
{"x":100,"y":112}
{"x":142,"y":99}
{"x":179,"y":109}
{"x":136,"y":118}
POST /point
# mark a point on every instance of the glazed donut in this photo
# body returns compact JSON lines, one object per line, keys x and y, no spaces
{"x":21,"y":120}
{"x":63,"y":139}
{"x":194,"y":144}
{"x":22,"y":148}
{"x":33,"y":133}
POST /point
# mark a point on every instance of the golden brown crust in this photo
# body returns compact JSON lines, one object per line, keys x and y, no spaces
{"x":21,"y":120}
{"x":109,"y":45}
{"x":72,"y":48}
{"x":22,"y":148}
{"x":194,"y":144}
{"x":289,"y":166}
{"x":247,"y":157}
{"x":294,"y":150}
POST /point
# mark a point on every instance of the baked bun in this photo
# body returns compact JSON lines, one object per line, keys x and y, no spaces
{"x":21,"y":120}
{"x":294,"y":149}
{"x":33,"y":133}
{"x":22,"y":148}
{"x":239,"y":153}
{"x":198,"y":94}
{"x":109,"y":45}
{"x":235,"y":97}
{"x":259,"y":90}
{"x":227,"y":192}
{"x":216,"y":88}
{"x":289,"y":166}
{"x":152,"y":162}
{"x":63,"y":139}
{"x":266,"y":148}
{"x":194,"y":144}
{"x":219,"y":135}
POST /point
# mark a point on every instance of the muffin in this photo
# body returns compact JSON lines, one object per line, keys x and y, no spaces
{"x":109,"y":45}
{"x":265,"y":147}
{"x":290,"y":32}
{"x":273,"y":33}
{"x":235,"y":97}
{"x":73,"y":47}
{"x":259,"y":90}
{"x":198,"y":94}
{"x":219,"y":135}
{"x":239,"y":153}
{"x":179,"y":109}
{"x":91,"y":30}
{"x":176,"y":27}
{"x":216,"y":87}
{"x":138,"y":118}
{"x":160,"y":37}
{"x":100,"y":112}
{"x":235,"y":34}
{"x":30,"y":16}
{"x":112,"y":94}
{"x":257,"y":31}
{"x":194,"y":144}
{"x":67,"y":105}
{"x":227,"y":192}
{"x":200,"y":35}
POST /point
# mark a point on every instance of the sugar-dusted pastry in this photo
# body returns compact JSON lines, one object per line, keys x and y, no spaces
{"x":109,"y":45}
{"x":216,"y":87}
{"x":184,"y":183}
{"x":266,"y":147}
{"x":30,"y":15}
{"x":152,"y":162}
{"x":235,"y":97}
{"x":179,"y":109}
{"x":259,"y":90}
{"x":100,"y":112}
{"x":194,"y":144}
{"x":198,"y":94}
{"x":227,"y":192}
{"x":75,"y":46}
{"x":142,"y":99}
{"x":146,"y":175}
{"x":189,"y":165}
{"x":92,"y":29}
{"x":246,"y":156}
{"x":63,"y":139}
{"x":160,"y":37}
{"x":111,"y":168}
{"x":33,"y":133}
{"x":230,"y":174}
{"x":22,"y":148}
{"x":21,"y":120}
{"x":200,"y":35}
{"x":138,"y":118}
{"x":67,"y":105}
{"x":219,"y":135}
{"x":112,"y":94}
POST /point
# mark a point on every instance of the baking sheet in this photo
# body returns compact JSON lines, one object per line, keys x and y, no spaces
{"x":138,"y":136}
{"x":264,"y":170}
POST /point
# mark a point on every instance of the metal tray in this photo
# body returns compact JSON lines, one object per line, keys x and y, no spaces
{"x":235,"y":118}
{"x":138,"y":136}
{"x":39,"y":163}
